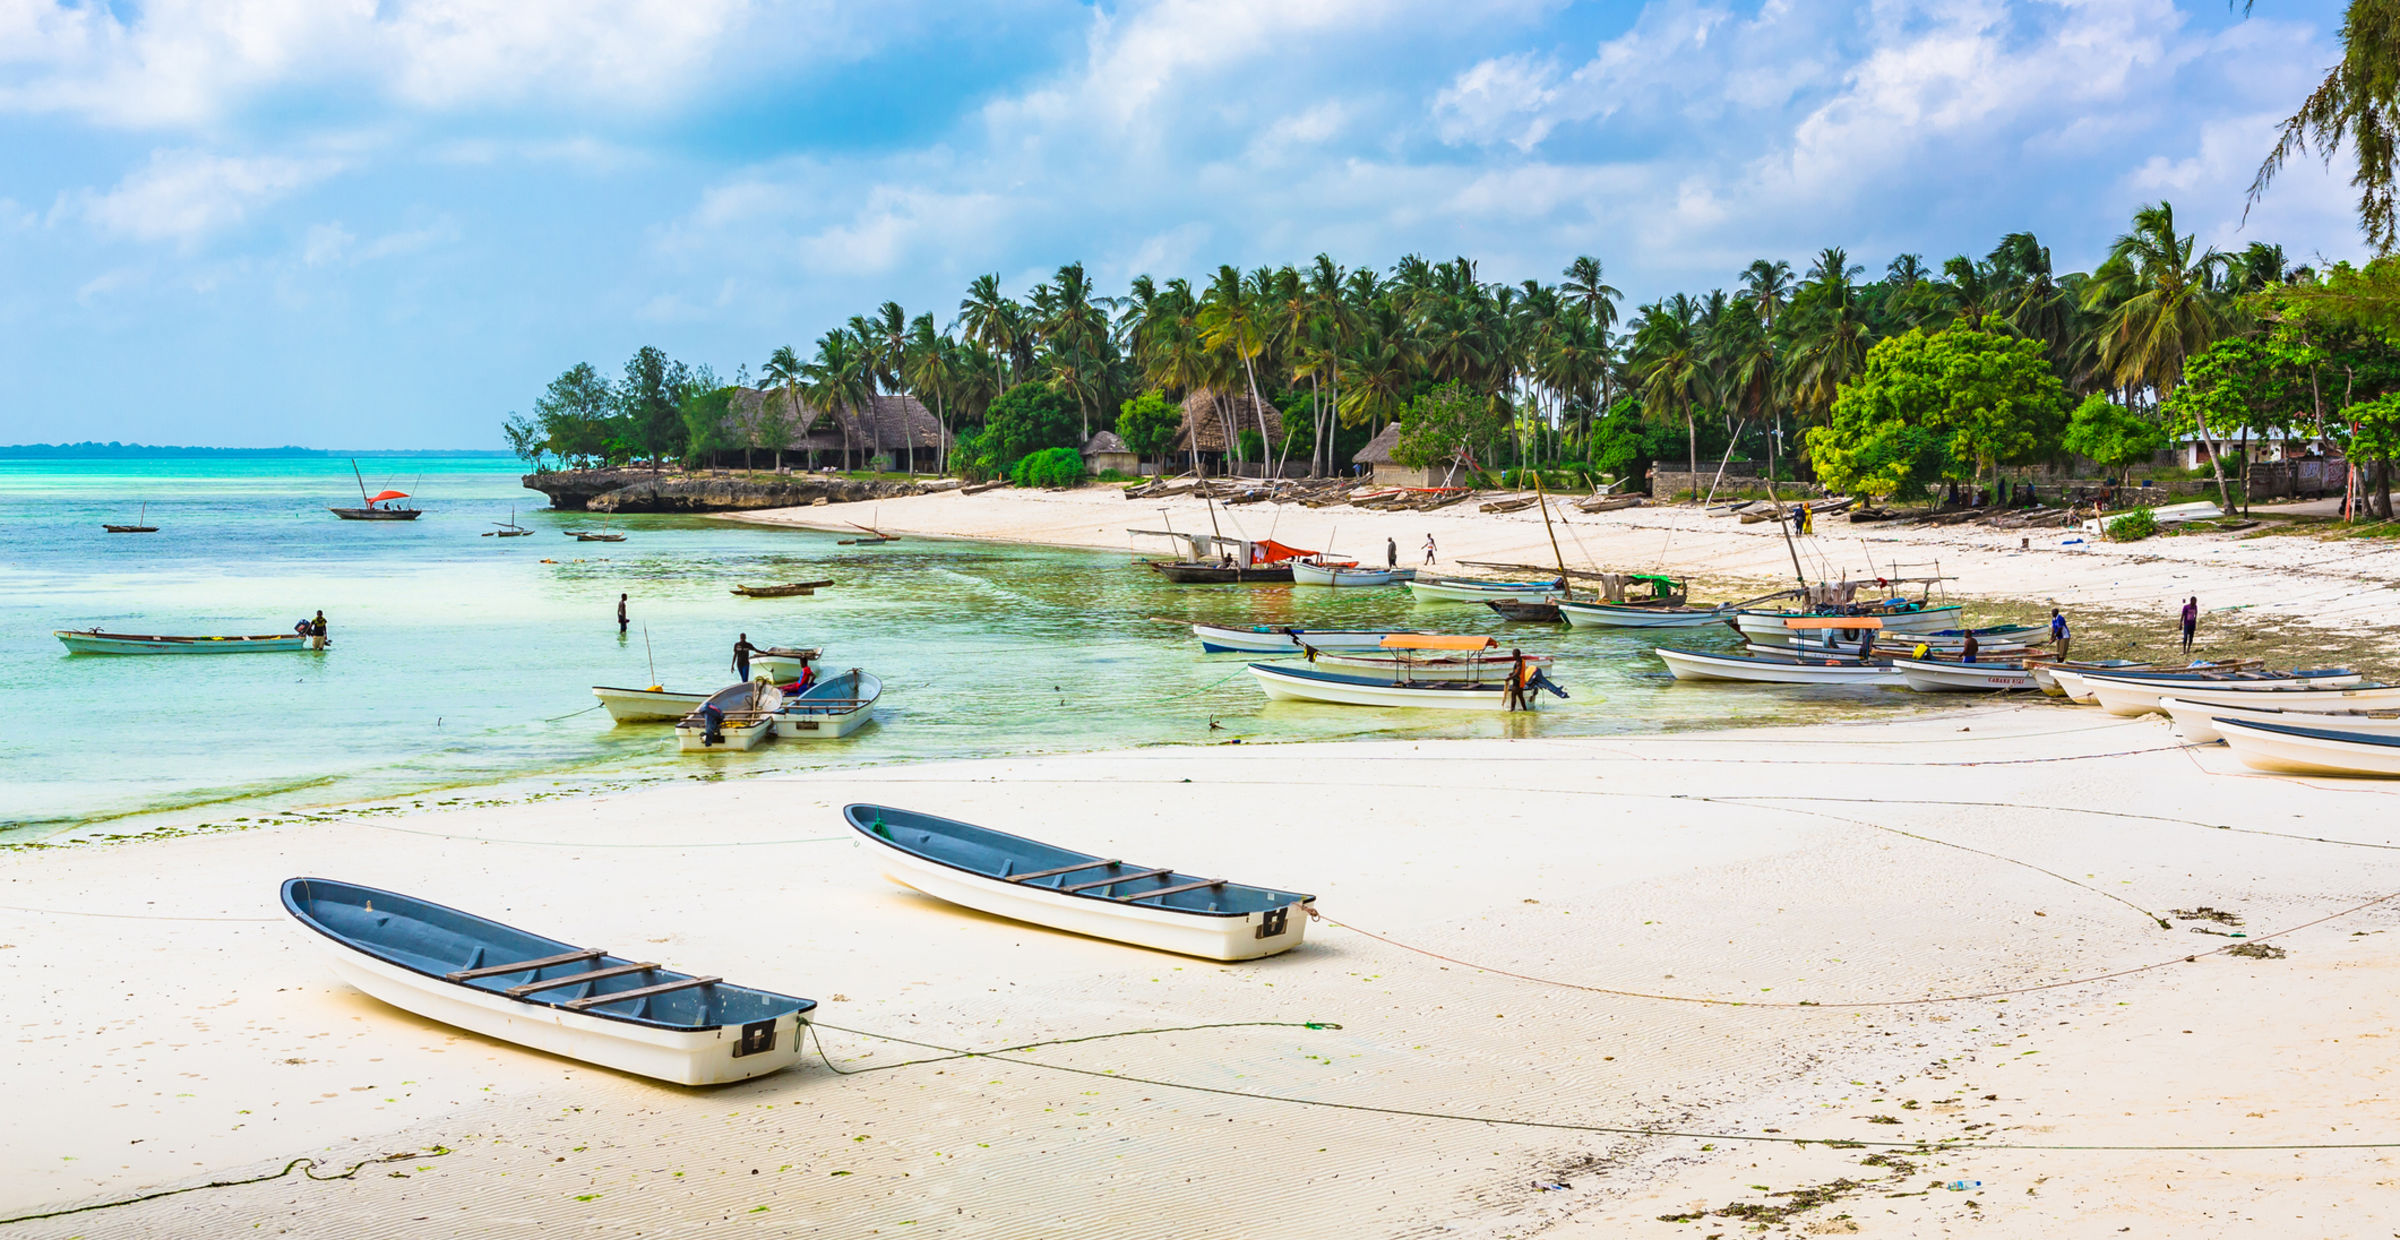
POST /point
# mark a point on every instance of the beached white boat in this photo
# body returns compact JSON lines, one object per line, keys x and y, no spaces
{"x":1305,"y":573}
{"x":733,"y":718}
{"x":581,"y":1003}
{"x":2311,"y":751}
{"x":1467,"y":658}
{"x":651,"y":705}
{"x":1081,"y":893}
{"x":1302,"y":684}
{"x":1771,"y":627}
{"x":93,"y":641}
{"x":2196,"y":721}
{"x":1633,"y":616}
{"x":1776,"y":670}
{"x":1281,"y":639}
{"x":1952,"y":676}
{"x":2045,"y":671}
{"x":833,"y":707}
{"x":2074,"y":680}
{"x":2332,"y":689}
{"x":1468,"y":590}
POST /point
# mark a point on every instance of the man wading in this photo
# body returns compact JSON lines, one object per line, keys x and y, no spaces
{"x":742,"y":650}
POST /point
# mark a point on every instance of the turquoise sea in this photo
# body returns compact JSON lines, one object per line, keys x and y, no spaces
{"x":466,"y":662}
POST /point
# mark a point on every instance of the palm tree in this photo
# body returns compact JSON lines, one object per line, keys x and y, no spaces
{"x":1766,"y":289}
{"x":1231,"y":323}
{"x":2259,"y":267}
{"x":1076,"y":328}
{"x":1831,"y":337}
{"x":2172,"y":307}
{"x":840,"y":375}
{"x":1588,"y":291}
{"x":930,"y":367}
{"x":783,"y":369}
{"x":1671,"y":368}
{"x":2359,"y":101}
{"x":991,"y":321}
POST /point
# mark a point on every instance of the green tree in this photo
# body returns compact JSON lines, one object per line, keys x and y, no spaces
{"x":1026,"y":419}
{"x":1950,"y":405}
{"x":1147,"y":423}
{"x":525,"y":438}
{"x":1050,"y":467}
{"x":578,"y":417}
{"x":650,"y":399}
{"x":2358,"y":103}
{"x":2167,"y":306}
{"x":708,"y":422}
{"x":1451,"y":420}
{"x":2111,"y":436}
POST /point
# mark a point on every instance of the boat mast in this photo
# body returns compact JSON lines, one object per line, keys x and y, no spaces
{"x":1543,"y":498}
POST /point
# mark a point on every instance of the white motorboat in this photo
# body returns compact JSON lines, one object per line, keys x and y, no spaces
{"x":1301,"y":684}
{"x":581,"y":1003}
{"x":651,"y":705}
{"x":2197,"y":721}
{"x":1469,"y":590}
{"x":1773,"y":627}
{"x":1952,"y":676}
{"x":2045,"y":671}
{"x":2312,"y":690}
{"x":833,"y":707}
{"x":1776,"y":670}
{"x":2074,"y":680}
{"x":736,"y":717}
{"x":1305,"y":573}
{"x":2311,"y":751}
{"x":1280,"y":639}
{"x":1472,"y":659}
{"x":1635,"y":616}
{"x":1080,"y":893}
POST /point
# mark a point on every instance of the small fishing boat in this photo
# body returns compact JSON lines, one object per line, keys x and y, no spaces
{"x":143,"y":514}
{"x":93,"y":641}
{"x":1770,"y":626}
{"x":509,"y":530}
{"x":2311,"y":751}
{"x":833,"y":707}
{"x":1955,"y":676}
{"x":591,"y":536}
{"x":1199,"y":573}
{"x":788,"y":590}
{"x":2073,"y":685}
{"x":1776,"y":669}
{"x":1469,"y":590}
{"x":1078,"y":892}
{"x":1525,"y":613}
{"x":651,"y":705}
{"x":1637,"y":616}
{"x":2197,"y":721}
{"x":581,"y":1003}
{"x":1472,"y":659}
{"x":872,"y":537}
{"x":1303,"y":684}
{"x":1283,"y":639}
{"x":736,"y":717}
{"x":2337,"y":688}
{"x":782,"y":664}
{"x":1307,"y":573}
{"x":375,"y":507}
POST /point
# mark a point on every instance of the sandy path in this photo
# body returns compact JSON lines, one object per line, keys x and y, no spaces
{"x":2342,"y":585}
{"x":191,"y":1035}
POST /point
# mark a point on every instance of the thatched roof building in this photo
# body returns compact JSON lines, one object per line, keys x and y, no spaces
{"x":1107,"y":450}
{"x":1379,"y":449}
{"x":891,"y":423}
{"x":1204,"y":420}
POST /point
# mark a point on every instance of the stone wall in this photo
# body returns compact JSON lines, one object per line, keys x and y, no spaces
{"x":639,"y":490}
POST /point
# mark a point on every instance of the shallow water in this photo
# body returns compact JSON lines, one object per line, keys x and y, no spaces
{"x":465,"y":661}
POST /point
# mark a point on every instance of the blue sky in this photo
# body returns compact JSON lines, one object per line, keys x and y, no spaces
{"x":387,"y":223}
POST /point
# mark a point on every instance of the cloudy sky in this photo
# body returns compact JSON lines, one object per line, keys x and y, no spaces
{"x":387,"y":223}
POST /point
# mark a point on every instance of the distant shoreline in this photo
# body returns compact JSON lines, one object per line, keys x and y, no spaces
{"x":118,"y":451}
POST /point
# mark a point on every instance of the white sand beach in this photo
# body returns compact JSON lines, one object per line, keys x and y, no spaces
{"x":1767,"y":942}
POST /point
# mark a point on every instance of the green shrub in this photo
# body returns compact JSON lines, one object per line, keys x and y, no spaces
{"x":1118,"y":475}
{"x":2133,"y":526}
{"x":1050,"y":467}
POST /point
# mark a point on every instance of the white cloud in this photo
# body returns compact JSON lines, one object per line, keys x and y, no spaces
{"x":183,"y":195}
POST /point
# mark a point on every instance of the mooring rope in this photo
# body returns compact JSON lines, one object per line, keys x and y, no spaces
{"x":305,"y":1166}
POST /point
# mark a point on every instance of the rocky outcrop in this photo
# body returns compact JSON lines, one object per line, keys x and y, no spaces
{"x":639,"y":490}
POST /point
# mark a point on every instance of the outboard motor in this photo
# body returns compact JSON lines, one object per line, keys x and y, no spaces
{"x":1541,"y":680}
{"x":712,"y":726}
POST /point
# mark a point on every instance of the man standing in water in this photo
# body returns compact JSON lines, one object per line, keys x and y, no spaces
{"x":621,"y":617}
{"x":316,"y":631}
{"x":2191,"y":622}
{"x":742,"y":650}
{"x":2058,"y":631}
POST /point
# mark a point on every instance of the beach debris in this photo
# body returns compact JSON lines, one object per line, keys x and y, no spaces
{"x":2255,"y":951}
{"x":2205,"y":913}
{"x":1963,"y":1186}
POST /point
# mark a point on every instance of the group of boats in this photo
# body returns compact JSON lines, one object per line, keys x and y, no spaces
{"x":783,"y":698}
{"x":2317,"y":721}
{"x":686,"y":1028}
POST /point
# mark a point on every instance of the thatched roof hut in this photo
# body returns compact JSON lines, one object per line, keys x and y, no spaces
{"x":1204,"y":420}
{"x":1107,"y":450}
{"x":1379,"y":449}
{"x":890,"y":422}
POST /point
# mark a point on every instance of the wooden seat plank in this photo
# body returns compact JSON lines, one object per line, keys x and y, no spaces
{"x":1121,"y":878}
{"x":1194,"y":885}
{"x":495,"y":970}
{"x":1064,"y":869}
{"x":518,"y":992}
{"x":643,"y":993}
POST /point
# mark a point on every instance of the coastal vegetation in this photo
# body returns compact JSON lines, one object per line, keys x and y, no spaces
{"x":1923,"y":376}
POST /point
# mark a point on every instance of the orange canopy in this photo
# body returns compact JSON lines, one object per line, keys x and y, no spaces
{"x":1437,"y":641}
{"x":1832,"y":622}
{"x":381,"y":496}
{"x":1270,"y":551}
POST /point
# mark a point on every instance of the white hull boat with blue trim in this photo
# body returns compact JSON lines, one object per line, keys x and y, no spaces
{"x":651,"y":705}
{"x":1633,"y":616}
{"x":2311,"y":751}
{"x":833,"y":707}
{"x":1468,"y":590}
{"x":1077,"y":892}
{"x":1301,"y":684}
{"x":736,"y":717}
{"x":1307,"y":574}
{"x":1280,"y":639}
{"x":1775,"y":669}
{"x":1953,"y":676}
{"x":580,"y":1003}
{"x":93,"y":641}
{"x":2197,"y":721}
{"x":2332,"y":688}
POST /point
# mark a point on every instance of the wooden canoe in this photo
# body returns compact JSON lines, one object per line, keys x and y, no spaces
{"x":787,"y":590}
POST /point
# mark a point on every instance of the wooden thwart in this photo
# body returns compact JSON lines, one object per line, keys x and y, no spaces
{"x":1194,"y":885}
{"x":1121,"y":878}
{"x":519,"y":992}
{"x":1064,"y":869}
{"x":645,"y":992}
{"x":495,"y":970}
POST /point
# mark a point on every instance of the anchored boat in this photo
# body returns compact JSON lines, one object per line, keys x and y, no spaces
{"x":1473,"y":659}
{"x":788,"y":590}
{"x":582,"y":1003}
{"x":2311,"y":751}
{"x":93,"y":641}
{"x":2131,"y":695}
{"x":833,"y":707}
{"x":1469,"y":590}
{"x":735,"y":717}
{"x":1303,"y":684}
{"x":1311,"y":573}
{"x":1078,"y":892}
{"x":1959,"y":676}
{"x":1776,"y":669}
{"x":369,"y":509}
{"x":1283,"y":639}
{"x":651,"y":705}
{"x":2197,"y":721}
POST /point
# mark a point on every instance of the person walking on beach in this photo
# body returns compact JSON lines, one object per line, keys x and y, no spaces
{"x":2058,"y":631}
{"x":1429,"y":548}
{"x":1391,"y":553}
{"x":2191,"y":622}
{"x":742,"y":650}
{"x":622,"y":620}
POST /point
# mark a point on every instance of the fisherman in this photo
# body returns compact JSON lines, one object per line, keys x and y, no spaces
{"x":2191,"y":622}
{"x":622,"y":620}
{"x":742,"y":650}
{"x":1391,"y":553}
{"x":2058,"y":631}
{"x":316,"y":631}
{"x":1967,"y":651}
{"x":1429,"y":549}
{"x":1866,"y":645}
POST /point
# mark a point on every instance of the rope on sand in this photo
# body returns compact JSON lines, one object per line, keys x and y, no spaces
{"x":305,"y":1166}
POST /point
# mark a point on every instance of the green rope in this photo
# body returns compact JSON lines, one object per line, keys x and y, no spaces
{"x":1205,"y":688}
{"x":305,"y":1166}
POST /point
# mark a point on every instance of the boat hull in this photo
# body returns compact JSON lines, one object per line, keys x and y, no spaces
{"x":1930,"y":676}
{"x":92,"y":642}
{"x":1293,"y":685}
{"x":647,"y":705}
{"x":1471,"y":668}
{"x":1190,"y":574}
{"x":1767,"y":627}
{"x":2197,"y":721}
{"x":1304,"y":574}
{"x":2267,"y":748}
{"x":1455,"y":592}
{"x":1220,"y":639}
{"x":1621,"y":616}
{"x":1694,"y":665}
{"x":830,"y":709}
{"x":737,"y":737}
{"x":1227,"y":937}
{"x":376,"y":514}
{"x":2131,"y":698}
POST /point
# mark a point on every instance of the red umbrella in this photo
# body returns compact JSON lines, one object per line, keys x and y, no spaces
{"x":381,"y":496}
